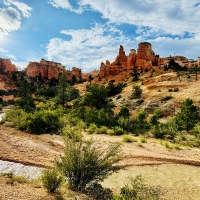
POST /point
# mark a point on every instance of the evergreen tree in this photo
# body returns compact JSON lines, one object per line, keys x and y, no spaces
{"x":137,"y":91}
{"x":96,"y":96}
{"x":26,"y":100}
{"x":135,"y":74}
{"x":24,"y":90}
{"x":61,"y":89}
{"x":124,"y":112}
{"x":188,"y":116}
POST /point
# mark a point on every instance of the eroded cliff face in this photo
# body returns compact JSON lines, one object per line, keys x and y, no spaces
{"x":121,"y":63}
{"x":144,"y":59}
{"x":50,"y":70}
{"x":6,"y":66}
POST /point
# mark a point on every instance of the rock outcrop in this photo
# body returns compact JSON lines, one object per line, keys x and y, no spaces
{"x":6,"y":66}
{"x":144,"y":59}
{"x":121,"y":63}
{"x":50,"y":70}
{"x":145,"y":56}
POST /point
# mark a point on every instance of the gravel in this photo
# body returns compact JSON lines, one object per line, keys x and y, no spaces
{"x":30,"y":172}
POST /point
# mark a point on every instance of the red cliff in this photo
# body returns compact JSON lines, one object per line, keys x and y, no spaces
{"x":6,"y":66}
{"x":50,"y":69}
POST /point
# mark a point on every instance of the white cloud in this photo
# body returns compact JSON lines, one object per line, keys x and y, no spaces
{"x":174,"y":17}
{"x":65,"y":5}
{"x":3,"y":50}
{"x":87,"y":48}
{"x":11,"y":56}
{"x":24,"y":8}
{"x":10,"y":19}
{"x":170,"y":17}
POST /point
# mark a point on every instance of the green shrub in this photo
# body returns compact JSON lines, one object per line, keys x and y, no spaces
{"x":102,"y":130}
{"x":42,"y":121}
{"x":140,"y":144}
{"x":139,"y":190}
{"x":166,"y":98}
{"x":127,"y":138}
{"x":139,"y":102}
{"x":15,"y":116}
{"x":170,"y":90}
{"x":177,"y":147}
{"x":119,"y":96}
{"x":92,"y":128}
{"x":159,"y":131}
{"x":96,"y":191}
{"x":137,"y":92}
{"x":51,"y":180}
{"x":176,"y":89}
{"x":143,"y":139}
{"x":169,"y":129}
{"x":117,"y":131}
{"x":85,"y":162}
{"x":158,"y":113}
{"x":196,"y":130}
{"x":167,"y":145}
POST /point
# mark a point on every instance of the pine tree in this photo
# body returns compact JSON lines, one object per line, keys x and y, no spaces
{"x":135,"y":74}
{"x":61,"y":89}
{"x":24,"y":90}
{"x":188,"y":116}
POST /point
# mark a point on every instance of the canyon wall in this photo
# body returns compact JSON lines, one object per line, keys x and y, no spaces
{"x":6,"y":66}
{"x":50,"y":70}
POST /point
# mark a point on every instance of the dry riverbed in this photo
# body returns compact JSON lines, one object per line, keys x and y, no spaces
{"x":158,"y":165}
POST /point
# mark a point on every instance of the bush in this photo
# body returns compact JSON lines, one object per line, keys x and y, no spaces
{"x":85,"y":162}
{"x":117,"y":131}
{"x":169,"y":129}
{"x":43,"y":121}
{"x":102,"y":130}
{"x":127,"y":138}
{"x":158,"y":113}
{"x":119,"y":97}
{"x":176,"y":89}
{"x":137,"y":92}
{"x":51,"y":180}
{"x":15,"y":116}
{"x":166,"y":98}
{"x":140,"y":190}
{"x":92,"y":128}
{"x":143,"y":140}
{"x":196,"y":130}
{"x":170,"y":90}
{"x":96,"y":191}
{"x":139,"y":102}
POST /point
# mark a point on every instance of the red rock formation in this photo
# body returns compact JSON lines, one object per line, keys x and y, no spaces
{"x":145,"y":56}
{"x":50,"y":69}
{"x":6,"y":66}
{"x":121,"y":63}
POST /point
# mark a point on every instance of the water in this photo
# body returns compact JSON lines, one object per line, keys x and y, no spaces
{"x":30,"y":172}
{"x":1,"y":116}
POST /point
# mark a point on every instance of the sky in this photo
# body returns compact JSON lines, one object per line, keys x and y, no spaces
{"x":84,"y":33}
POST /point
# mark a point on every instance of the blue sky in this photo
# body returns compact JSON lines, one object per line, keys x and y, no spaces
{"x":83,"y":33}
